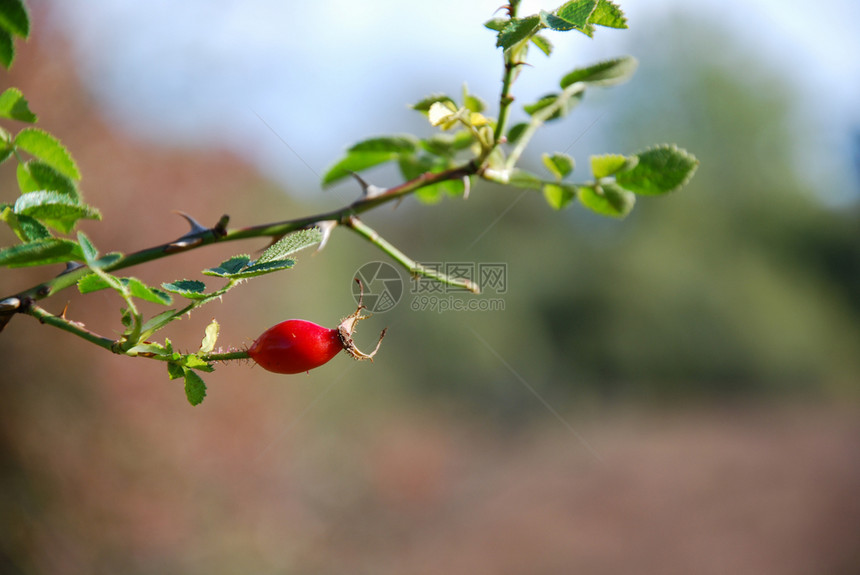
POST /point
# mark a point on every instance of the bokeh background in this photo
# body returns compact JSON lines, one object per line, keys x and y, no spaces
{"x":674,"y":393}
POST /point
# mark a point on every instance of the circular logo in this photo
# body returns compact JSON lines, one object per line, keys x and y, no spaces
{"x":382,"y":284}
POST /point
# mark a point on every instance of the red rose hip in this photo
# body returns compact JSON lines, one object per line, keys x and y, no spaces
{"x":296,"y":345}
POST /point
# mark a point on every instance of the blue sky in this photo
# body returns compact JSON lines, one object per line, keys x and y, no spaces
{"x":251,"y":75}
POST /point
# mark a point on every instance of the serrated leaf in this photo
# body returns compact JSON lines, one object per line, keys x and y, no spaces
{"x":31,"y":229}
{"x":543,"y":43}
{"x":40,"y":252}
{"x":609,"y":15}
{"x":148,"y":349}
{"x":14,"y":17}
{"x":496,"y":24}
{"x":7,"y":48}
{"x":142,"y":291}
{"x":90,"y":283}
{"x":195,"y":387}
{"x":175,"y":371}
{"x":660,"y":170}
{"x":263,"y":268}
{"x":14,"y":106}
{"x":609,"y":164}
{"x":191,"y":289}
{"x":49,"y":149}
{"x":54,"y":209}
{"x":560,"y":165}
{"x":424,"y":105}
{"x":210,"y":337}
{"x":195,"y":362}
{"x":608,"y":73}
{"x":290,"y":244}
{"x":607,"y":199}
{"x":518,"y":30}
{"x":572,"y":15}
{"x":34,"y":176}
{"x":523,"y":179}
{"x":229,"y":267}
{"x":559,"y":195}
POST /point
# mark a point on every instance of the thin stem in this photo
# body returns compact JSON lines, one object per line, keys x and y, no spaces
{"x":226,"y":356}
{"x":505,"y":98}
{"x":74,"y":328}
{"x":415,"y":268}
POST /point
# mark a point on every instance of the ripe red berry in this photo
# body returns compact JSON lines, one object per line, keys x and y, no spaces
{"x":296,"y":345}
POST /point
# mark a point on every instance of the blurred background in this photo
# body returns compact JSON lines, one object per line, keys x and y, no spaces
{"x":672,"y":393}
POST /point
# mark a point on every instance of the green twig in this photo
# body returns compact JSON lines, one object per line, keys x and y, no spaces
{"x":415,"y":268}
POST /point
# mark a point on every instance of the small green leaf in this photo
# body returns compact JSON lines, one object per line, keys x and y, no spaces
{"x":148,"y":349}
{"x":290,"y":244}
{"x":263,"y":268}
{"x":55,"y":209}
{"x":572,"y":15}
{"x":35,"y":176}
{"x":229,"y":267}
{"x":14,"y":106}
{"x":609,"y":15}
{"x":47,"y":148}
{"x":14,"y":17}
{"x":606,"y":73}
{"x":609,"y":164}
{"x":210,"y":337}
{"x":40,"y":252}
{"x":367,"y":154}
{"x":195,"y":387}
{"x":31,"y":229}
{"x":89,"y":251}
{"x":195,"y":362}
{"x":90,"y":283}
{"x":472,"y":102}
{"x":516,"y":132}
{"x":518,"y":30}
{"x":523,"y":179}
{"x":424,"y":105}
{"x":559,"y":164}
{"x":496,"y":24}
{"x":175,"y":371}
{"x":7,"y":48}
{"x":559,"y":195}
{"x":142,"y":291}
{"x":660,"y":170}
{"x":191,"y":289}
{"x":446,"y":144}
{"x":564,"y":106}
{"x":157,"y":322}
{"x":607,"y":199}
{"x":543,"y":43}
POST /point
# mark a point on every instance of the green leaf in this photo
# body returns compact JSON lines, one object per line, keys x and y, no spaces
{"x":446,"y":144}
{"x":565,"y":105}
{"x":35,"y":176}
{"x":559,"y":164}
{"x":609,"y":15}
{"x":290,"y":244}
{"x":609,"y":164}
{"x":660,"y":170}
{"x":7,"y":48}
{"x":14,"y":106}
{"x":31,"y":229}
{"x":5,"y":152}
{"x":523,"y":179}
{"x":543,"y":43}
{"x":148,"y":350}
{"x":572,"y":15}
{"x":93,"y":282}
{"x":210,"y":337}
{"x":54,"y":209}
{"x":14,"y":17}
{"x":47,"y":148}
{"x":229,"y":267}
{"x":369,"y":153}
{"x":607,"y":199}
{"x":516,"y":132}
{"x":89,"y":251}
{"x":40,"y":252}
{"x":175,"y":371}
{"x":559,"y":195}
{"x":195,"y":387}
{"x":191,"y":289}
{"x":195,"y":362}
{"x":496,"y":24}
{"x":518,"y":30}
{"x":424,"y":105}
{"x":258,"y":269}
{"x":606,"y":73}
{"x":473,"y":103}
